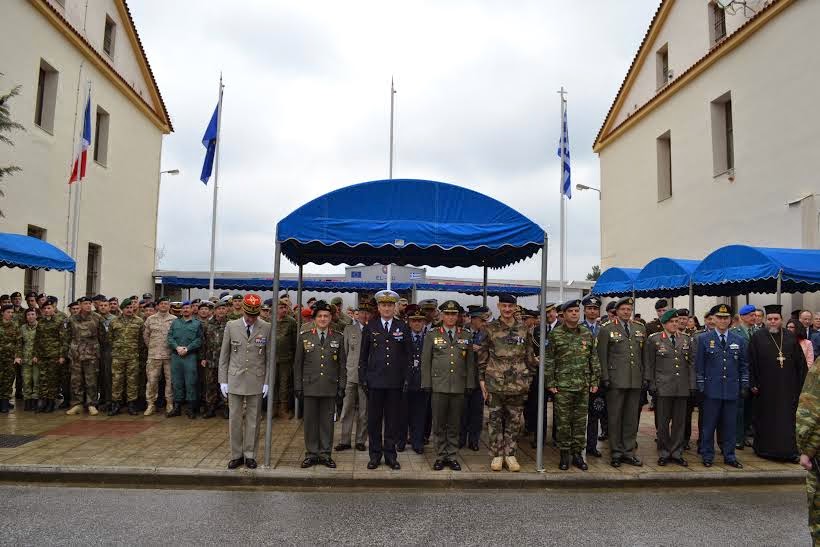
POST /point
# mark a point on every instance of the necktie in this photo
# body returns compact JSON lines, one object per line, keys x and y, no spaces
{"x":723,"y":341}
{"x":387,"y":326}
{"x":415,"y":338}
{"x":322,"y":339}
{"x":626,"y":328}
{"x":673,"y":340}
{"x":248,"y":329}
{"x":450,"y":334}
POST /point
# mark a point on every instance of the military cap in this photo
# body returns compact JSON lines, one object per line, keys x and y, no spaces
{"x":163,"y":299}
{"x":387,"y":297}
{"x":625,"y":301}
{"x":721,"y":310}
{"x":196,"y":301}
{"x":41,"y":295}
{"x":773,"y":308}
{"x":176,"y":306}
{"x":52,"y":299}
{"x":99,"y":298}
{"x":6,"y":307}
{"x":505,"y":298}
{"x":662,"y":303}
{"x":113,"y":300}
{"x":668,"y":315}
{"x":320,"y":305}
{"x":570,"y":304}
{"x":75,"y":303}
{"x":125,"y":303}
{"x":225,"y":299}
{"x":185,"y":303}
{"x":4,"y":297}
{"x":403,"y":300}
{"x":549,"y":306}
{"x":16,"y":294}
{"x":238,"y":296}
{"x":683,"y":312}
{"x":336,"y":300}
{"x":611,"y":306}
{"x":149,"y":304}
{"x":251,"y":304}
{"x":221,"y":304}
{"x":148,"y":296}
{"x":31,"y":294}
{"x":265,"y":307}
{"x":531,"y":313}
{"x":223,"y":294}
{"x":364,"y":305}
{"x":748,"y":308}
{"x":268,"y":302}
{"x":83,"y":299}
{"x":284,"y":295}
{"x":429,"y":304}
{"x":477,"y":311}
{"x":413,"y":311}
{"x":591,"y":301}
{"x":206,"y":304}
{"x":451,"y":306}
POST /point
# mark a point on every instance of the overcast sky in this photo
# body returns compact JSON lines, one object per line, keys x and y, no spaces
{"x":306,"y":110}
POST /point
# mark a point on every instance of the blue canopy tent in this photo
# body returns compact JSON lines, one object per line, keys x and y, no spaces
{"x":740,"y":269}
{"x":616,"y":282}
{"x":407,"y":222}
{"x":19,"y":251}
{"x":666,"y":277}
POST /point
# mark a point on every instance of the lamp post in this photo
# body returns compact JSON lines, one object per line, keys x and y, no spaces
{"x":585,"y":187}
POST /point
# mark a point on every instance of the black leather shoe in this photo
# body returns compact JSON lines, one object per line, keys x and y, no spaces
{"x":233,"y":464}
{"x":342,"y":446}
{"x":42,"y":405}
{"x":578,"y":461}
{"x":563,"y":463}
{"x":308,"y":462}
{"x":50,"y":404}
{"x":662,"y":461}
{"x":680,"y":461}
{"x":632,"y":460}
{"x":418,"y":449}
{"x":174,"y":412}
{"x":373,"y":464}
{"x":603,"y":437}
{"x":473,"y":445}
{"x":740,"y":446}
{"x":114,"y":410}
{"x":707,"y":463}
{"x":361,"y":447}
{"x":394,"y":465}
{"x":734,"y":463}
{"x":454,"y":465}
{"x":400,"y":448}
{"x":4,"y":406}
{"x":328,"y":462}
{"x":132,"y":409}
{"x":438,"y":465}
{"x":250,"y":463}
{"x":594,"y":452}
{"x":615,"y":462}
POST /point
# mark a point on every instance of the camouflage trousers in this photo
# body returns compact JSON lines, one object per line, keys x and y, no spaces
{"x":814,"y":506}
{"x":50,"y":374}
{"x":153,"y":369}
{"x":84,"y":373}
{"x":284,"y":381}
{"x":31,"y":380}
{"x":212,"y":393}
{"x":570,"y":409}
{"x":505,"y":423}
{"x":125,"y":371}
{"x":7,"y":374}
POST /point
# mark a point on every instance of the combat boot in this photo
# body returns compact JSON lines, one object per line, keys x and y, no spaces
{"x":512,"y":464}
{"x":174,"y":412}
{"x":578,"y":461}
{"x":92,"y":410}
{"x":132,"y":408}
{"x":4,"y":406}
{"x":74,"y":410}
{"x":563,"y":463}
{"x":42,"y":405}
{"x":497,"y":463}
{"x":150,"y":410}
{"x":210,"y":412}
{"x":51,"y":405}
{"x":114,"y":409}
{"x":193,"y":410}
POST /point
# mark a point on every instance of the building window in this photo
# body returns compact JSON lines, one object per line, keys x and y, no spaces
{"x":92,"y":271}
{"x":664,"y":145}
{"x":101,"y":137}
{"x":723,"y":140}
{"x":717,"y":23}
{"x":33,"y":280}
{"x":109,"y":36}
{"x":662,"y":62}
{"x":46,"y":97}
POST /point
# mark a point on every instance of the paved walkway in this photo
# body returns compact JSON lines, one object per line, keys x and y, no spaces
{"x":202,"y":445}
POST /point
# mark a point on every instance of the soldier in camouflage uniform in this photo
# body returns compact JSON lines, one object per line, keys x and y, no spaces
{"x":506,"y":364}
{"x":126,"y":337}
{"x":87,"y":335}
{"x":155,"y":335}
{"x":50,"y":349}
{"x":104,"y":379}
{"x":808,"y":443}
{"x":236,"y":307}
{"x":214,"y":331}
{"x":285,"y":353}
{"x":31,"y":372}
{"x":11,"y":352}
{"x":572,"y":371}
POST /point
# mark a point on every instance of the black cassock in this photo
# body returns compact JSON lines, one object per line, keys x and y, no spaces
{"x":779,"y":389}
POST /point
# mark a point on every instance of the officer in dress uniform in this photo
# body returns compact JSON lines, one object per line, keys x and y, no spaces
{"x":414,"y":403}
{"x":319,"y":374}
{"x":597,"y":401}
{"x":722,"y":367}
{"x":473,"y":415}
{"x":383,"y":365}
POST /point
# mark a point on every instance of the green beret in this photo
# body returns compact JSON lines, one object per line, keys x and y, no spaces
{"x":125,"y":303}
{"x":163,"y":299}
{"x":669,"y":315}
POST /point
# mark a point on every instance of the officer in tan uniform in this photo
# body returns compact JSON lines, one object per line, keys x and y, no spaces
{"x":243,"y":378}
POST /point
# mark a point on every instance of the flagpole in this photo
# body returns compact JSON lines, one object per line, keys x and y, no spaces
{"x":563,"y":219}
{"x":69,"y":287}
{"x":216,"y":186}
{"x":390,"y":168}
{"x":77,"y":201}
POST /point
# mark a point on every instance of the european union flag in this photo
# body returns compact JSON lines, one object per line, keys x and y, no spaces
{"x":209,"y":142}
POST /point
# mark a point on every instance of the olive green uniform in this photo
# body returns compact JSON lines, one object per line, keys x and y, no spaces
{"x":808,"y":442}
{"x":50,"y":344}
{"x":87,"y":335}
{"x":285,"y":353}
{"x":126,"y":336}
{"x":11,"y":348}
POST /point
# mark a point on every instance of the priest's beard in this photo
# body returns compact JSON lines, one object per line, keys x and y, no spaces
{"x":773,"y":330}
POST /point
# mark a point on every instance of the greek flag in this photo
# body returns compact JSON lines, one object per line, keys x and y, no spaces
{"x":563,"y":153}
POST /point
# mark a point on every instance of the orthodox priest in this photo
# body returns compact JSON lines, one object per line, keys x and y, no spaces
{"x":777,"y":370}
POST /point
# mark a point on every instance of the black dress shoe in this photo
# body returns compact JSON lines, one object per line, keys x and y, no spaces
{"x":114,"y":410}
{"x":328,"y":462}
{"x":4,"y":406}
{"x":342,"y":446}
{"x":250,"y":463}
{"x":454,"y":465}
{"x":233,"y":464}
{"x":734,"y":463}
{"x":662,"y":461}
{"x":739,"y":446}
{"x":373,"y":464}
{"x":615,"y":462}
{"x":578,"y":461}
{"x":594,"y":452}
{"x":400,"y":448}
{"x":603,"y":437}
{"x":473,"y":445}
{"x":361,"y":447}
{"x":438,"y":465}
{"x":308,"y":462}
{"x":418,"y":449}
{"x":563,"y":463}
{"x":394,"y":465}
{"x":707,"y":463}
{"x":632,"y":460}
{"x":680,"y":461}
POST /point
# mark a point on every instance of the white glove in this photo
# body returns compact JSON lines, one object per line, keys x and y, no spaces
{"x":264,"y":390}
{"x":224,"y":389}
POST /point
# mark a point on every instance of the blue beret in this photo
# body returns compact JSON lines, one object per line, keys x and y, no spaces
{"x":748,"y":308}
{"x":186,"y":303}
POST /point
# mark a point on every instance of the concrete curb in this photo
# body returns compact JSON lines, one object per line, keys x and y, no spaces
{"x":166,"y":477}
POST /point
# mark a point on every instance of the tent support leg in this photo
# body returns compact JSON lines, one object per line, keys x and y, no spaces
{"x":542,"y":331}
{"x":484,"y":288}
{"x":277,"y":256}
{"x":779,"y":285}
{"x":691,"y":298}
{"x":634,"y":307}
{"x":296,"y":413}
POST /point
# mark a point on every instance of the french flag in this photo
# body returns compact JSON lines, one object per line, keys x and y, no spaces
{"x":81,"y":151}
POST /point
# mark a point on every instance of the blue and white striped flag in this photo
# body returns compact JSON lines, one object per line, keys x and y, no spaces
{"x":563,"y":152}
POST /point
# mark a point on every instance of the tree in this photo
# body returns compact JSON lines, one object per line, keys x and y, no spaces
{"x":7,"y":125}
{"x":594,"y":274}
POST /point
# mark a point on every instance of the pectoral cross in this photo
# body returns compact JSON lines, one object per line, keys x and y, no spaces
{"x":781,"y":359}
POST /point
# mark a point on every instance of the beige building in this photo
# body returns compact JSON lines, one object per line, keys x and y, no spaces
{"x":54,"y":49}
{"x":713,"y":137}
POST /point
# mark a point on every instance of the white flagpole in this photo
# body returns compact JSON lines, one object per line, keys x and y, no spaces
{"x":216,"y":186}
{"x":563,"y":251}
{"x":390,"y":169}
{"x":75,"y":237}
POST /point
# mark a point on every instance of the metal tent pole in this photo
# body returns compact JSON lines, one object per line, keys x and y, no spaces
{"x":542,"y":330}
{"x":484,"y":290}
{"x":779,"y":284}
{"x":296,"y":413}
{"x":691,"y":297}
{"x":272,"y":354}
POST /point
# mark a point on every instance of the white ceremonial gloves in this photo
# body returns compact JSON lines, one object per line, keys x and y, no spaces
{"x":264,"y":390}
{"x":224,"y":389}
